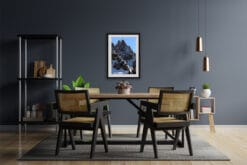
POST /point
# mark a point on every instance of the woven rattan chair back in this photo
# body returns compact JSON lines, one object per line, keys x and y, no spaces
{"x":174,"y":101}
{"x":157,"y":90}
{"x":73,"y":101}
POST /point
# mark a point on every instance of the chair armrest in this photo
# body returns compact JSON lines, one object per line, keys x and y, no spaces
{"x":148,"y":113}
{"x":149,"y":104}
{"x":145,"y":104}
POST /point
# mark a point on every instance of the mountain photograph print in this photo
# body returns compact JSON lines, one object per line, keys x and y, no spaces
{"x":123,"y":55}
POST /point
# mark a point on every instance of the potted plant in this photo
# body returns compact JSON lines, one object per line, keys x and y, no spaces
{"x":123,"y":87}
{"x":78,"y":84}
{"x":206,"y":92}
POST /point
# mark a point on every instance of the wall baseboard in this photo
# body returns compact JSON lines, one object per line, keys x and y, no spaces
{"x":115,"y":128}
{"x":40,"y":128}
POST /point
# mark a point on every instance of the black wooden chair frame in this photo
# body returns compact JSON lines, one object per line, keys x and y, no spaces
{"x":140,"y":117}
{"x":98,"y":122}
{"x":177,"y":126}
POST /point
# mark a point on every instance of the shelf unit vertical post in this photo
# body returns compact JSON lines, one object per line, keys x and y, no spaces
{"x":60,"y":69}
{"x":57,"y":49}
{"x":25,"y":74}
{"x":20,"y":75}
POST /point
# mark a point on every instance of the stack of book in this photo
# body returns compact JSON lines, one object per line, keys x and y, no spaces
{"x":205,"y":109}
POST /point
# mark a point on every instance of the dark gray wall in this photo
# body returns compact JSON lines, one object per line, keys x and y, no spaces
{"x":168,"y":30}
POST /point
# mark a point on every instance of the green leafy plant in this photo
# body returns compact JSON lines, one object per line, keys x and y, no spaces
{"x":66,"y":87}
{"x":206,"y":86}
{"x":79,"y":82}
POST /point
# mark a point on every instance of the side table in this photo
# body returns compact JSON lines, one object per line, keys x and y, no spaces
{"x":208,"y":110}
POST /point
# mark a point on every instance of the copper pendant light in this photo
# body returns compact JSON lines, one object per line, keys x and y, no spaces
{"x":206,"y":64}
{"x":205,"y":58}
{"x":199,"y":44}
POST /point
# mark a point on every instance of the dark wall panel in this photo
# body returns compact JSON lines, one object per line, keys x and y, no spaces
{"x":168,"y":30}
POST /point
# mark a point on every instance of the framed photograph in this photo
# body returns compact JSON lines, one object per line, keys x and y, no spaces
{"x":123,"y":55}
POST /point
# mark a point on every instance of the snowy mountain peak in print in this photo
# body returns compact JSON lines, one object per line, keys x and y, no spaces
{"x":123,"y":58}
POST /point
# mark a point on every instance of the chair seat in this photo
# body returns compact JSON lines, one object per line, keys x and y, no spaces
{"x":80,"y":120}
{"x":167,"y":120}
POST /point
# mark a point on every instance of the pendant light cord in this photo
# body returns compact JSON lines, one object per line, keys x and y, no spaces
{"x":198,"y":16}
{"x":205,"y":27}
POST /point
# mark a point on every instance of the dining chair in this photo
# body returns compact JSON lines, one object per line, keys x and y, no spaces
{"x":175,"y":103}
{"x":77,"y":103}
{"x":150,"y":90}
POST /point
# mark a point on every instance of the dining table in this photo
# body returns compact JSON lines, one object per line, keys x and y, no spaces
{"x":131,"y":98}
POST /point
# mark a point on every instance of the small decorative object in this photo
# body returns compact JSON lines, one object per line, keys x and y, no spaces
{"x":206,"y":92}
{"x":193,"y":89}
{"x":192,"y":114}
{"x":34,"y":111}
{"x":39,"y":68}
{"x":123,"y":87}
{"x":50,"y":72}
{"x":28,"y":112}
{"x":123,"y":55}
{"x":41,"y":72}
{"x":78,"y":84}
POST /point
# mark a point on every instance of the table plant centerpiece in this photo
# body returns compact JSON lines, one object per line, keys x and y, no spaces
{"x":123,"y":87}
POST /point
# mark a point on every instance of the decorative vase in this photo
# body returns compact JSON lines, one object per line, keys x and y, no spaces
{"x":206,"y":93}
{"x":123,"y":90}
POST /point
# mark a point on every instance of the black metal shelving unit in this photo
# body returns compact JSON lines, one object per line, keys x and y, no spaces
{"x":24,"y":78}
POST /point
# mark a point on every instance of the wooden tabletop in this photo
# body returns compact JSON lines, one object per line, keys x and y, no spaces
{"x":124,"y":96}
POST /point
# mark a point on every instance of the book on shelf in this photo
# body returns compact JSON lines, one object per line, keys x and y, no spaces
{"x":206,"y":109}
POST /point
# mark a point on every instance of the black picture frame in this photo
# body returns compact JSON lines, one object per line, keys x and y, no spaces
{"x":123,"y":55}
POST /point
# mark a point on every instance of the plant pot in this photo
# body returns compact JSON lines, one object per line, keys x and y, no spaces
{"x":124,"y":91}
{"x":206,"y":93}
{"x":80,"y":88}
